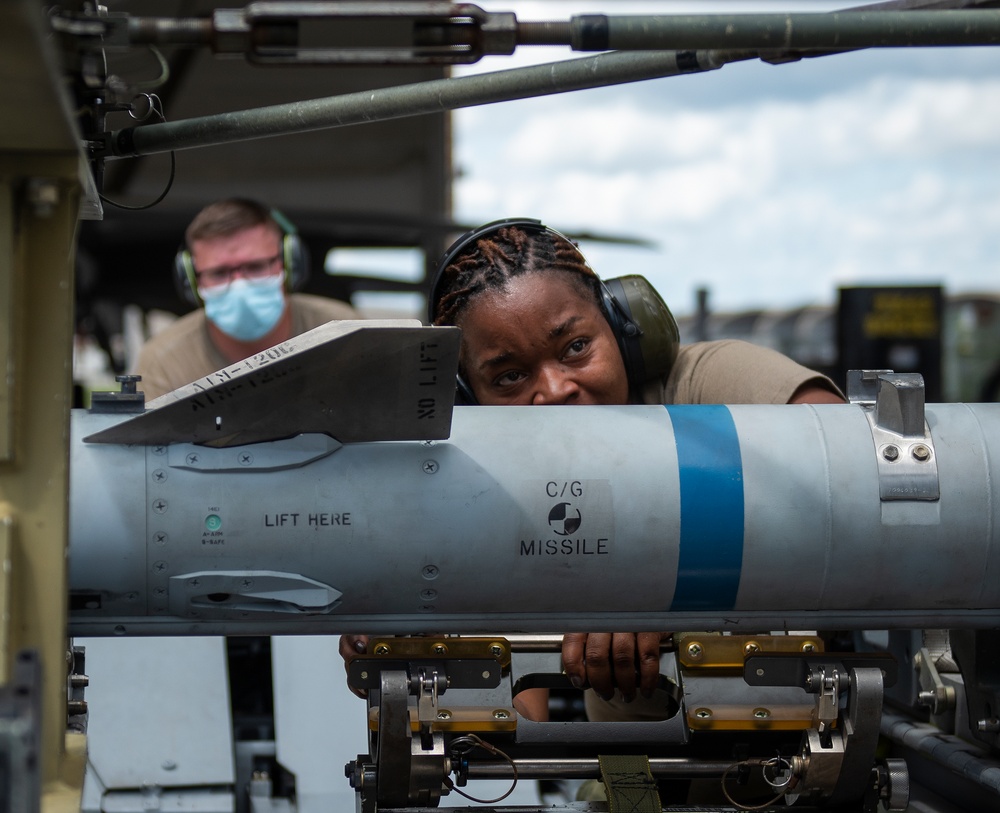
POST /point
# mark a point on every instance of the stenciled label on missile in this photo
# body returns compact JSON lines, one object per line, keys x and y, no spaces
{"x":567,"y":517}
{"x":308,"y":519}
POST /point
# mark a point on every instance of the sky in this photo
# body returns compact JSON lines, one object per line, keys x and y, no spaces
{"x":771,"y":185}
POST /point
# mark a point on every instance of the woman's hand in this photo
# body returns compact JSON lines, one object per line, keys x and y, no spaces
{"x":627,"y":661}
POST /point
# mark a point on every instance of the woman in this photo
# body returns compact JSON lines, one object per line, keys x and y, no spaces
{"x":539,"y":327}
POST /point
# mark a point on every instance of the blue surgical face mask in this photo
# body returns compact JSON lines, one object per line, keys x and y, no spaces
{"x":246,"y":310}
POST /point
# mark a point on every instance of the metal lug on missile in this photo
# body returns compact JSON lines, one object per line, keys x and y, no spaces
{"x":893,"y":403}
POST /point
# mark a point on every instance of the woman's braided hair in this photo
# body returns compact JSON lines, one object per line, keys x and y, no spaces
{"x":499,"y":256}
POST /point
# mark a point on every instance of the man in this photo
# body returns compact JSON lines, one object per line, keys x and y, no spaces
{"x":240,"y":262}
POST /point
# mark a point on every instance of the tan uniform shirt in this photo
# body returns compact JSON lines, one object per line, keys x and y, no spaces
{"x":184,"y":352}
{"x":732,"y":372}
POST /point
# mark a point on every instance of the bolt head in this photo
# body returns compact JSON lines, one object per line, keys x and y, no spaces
{"x":695,"y":650}
{"x":439,"y":649}
{"x":382,"y":649}
{"x":751,"y":646}
{"x":501,"y":714}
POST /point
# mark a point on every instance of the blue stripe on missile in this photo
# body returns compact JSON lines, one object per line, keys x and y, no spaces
{"x":711,"y":482}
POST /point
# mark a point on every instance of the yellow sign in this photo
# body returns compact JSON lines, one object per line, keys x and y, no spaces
{"x":902,"y":316}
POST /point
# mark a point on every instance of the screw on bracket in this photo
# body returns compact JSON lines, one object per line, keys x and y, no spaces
{"x":128,"y":383}
{"x":430,"y":466}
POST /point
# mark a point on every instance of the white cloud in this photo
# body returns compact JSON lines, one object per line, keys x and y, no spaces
{"x":771,"y":201}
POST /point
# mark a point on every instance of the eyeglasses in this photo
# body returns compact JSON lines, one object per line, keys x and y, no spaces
{"x":218,"y":279}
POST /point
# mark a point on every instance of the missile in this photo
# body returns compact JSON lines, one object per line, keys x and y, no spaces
{"x":550,"y":519}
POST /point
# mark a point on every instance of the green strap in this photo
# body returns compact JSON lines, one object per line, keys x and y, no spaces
{"x":630,"y":784}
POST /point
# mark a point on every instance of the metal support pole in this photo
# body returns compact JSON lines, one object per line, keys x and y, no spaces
{"x":590,"y":768}
{"x":407,"y":100}
{"x":764,"y":32}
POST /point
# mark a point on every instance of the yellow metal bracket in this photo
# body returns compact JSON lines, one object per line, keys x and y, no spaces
{"x":727,"y":652}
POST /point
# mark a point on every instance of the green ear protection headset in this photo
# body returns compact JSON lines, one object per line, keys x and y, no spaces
{"x":294,"y":255}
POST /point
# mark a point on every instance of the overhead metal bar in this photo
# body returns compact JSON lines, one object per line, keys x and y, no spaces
{"x":404,"y":100}
{"x":333,"y":32}
{"x":834,"y":30}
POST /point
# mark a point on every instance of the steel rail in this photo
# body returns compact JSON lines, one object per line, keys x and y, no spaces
{"x":400,"y":101}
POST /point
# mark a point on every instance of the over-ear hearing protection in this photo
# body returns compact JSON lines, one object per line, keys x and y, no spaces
{"x":640,"y":320}
{"x":294,"y":255}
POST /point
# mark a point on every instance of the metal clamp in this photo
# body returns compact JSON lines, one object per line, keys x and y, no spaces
{"x":827,"y":687}
{"x":836,"y":764}
{"x":893,"y":403}
{"x":427,"y":684}
{"x":933,"y":694}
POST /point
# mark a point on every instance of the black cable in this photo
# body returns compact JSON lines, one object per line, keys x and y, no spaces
{"x":154,"y":100}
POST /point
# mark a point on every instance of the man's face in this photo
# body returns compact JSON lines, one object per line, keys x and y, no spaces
{"x":541,"y":341}
{"x":253,"y":253}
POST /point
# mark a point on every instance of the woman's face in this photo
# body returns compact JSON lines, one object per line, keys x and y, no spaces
{"x":540,"y":341}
